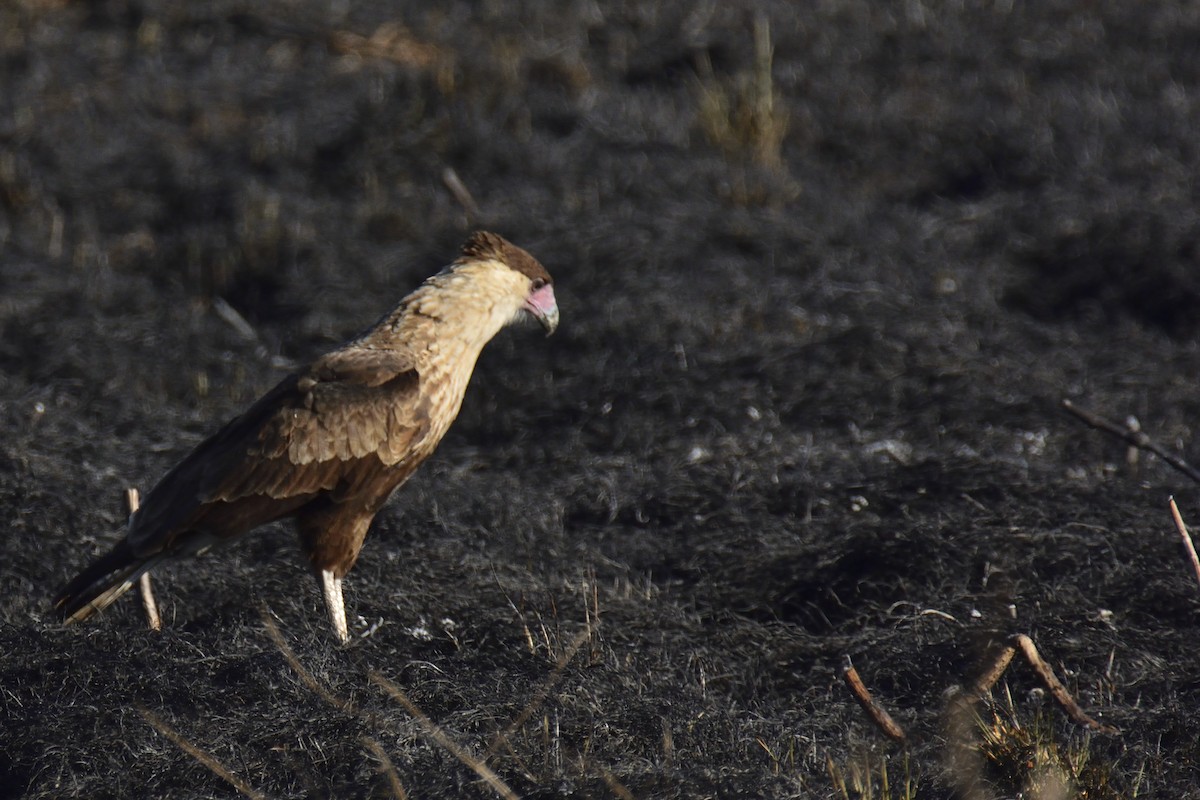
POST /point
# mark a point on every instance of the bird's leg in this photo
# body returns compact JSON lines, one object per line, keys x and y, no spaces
{"x":331,"y":589}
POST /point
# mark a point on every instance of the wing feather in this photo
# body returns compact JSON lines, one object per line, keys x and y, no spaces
{"x":353,"y":412}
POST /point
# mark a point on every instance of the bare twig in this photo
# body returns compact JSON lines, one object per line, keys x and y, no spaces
{"x":882,"y":719}
{"x":147,"y":591}
{"x":1187,"y":537}
{"x":216,"y":767}
{"x":1055,"y":687}
{"x":435,"y":732}
{"x":1135,"y":437}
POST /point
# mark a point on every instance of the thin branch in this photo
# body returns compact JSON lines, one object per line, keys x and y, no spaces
{"x":1187,"y":537}
{"x":1133,"y":436}
{"x":1055,"y":687}
{"x":882,"y":719}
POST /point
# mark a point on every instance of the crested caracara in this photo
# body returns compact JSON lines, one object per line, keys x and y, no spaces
{"x":331,"y":443}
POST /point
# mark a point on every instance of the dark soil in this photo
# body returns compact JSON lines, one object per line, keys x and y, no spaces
{"x":803,"y":404}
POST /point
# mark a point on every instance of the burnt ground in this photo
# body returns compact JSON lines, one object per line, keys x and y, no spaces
{"x":803,"y":404}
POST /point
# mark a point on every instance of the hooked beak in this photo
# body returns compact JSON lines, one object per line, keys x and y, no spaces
{"x":542,"y":306}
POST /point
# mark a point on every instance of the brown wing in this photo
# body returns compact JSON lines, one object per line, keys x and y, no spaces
{"x":353,"y":413}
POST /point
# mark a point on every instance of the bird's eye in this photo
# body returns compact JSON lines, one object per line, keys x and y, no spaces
{"x":538,"y":283}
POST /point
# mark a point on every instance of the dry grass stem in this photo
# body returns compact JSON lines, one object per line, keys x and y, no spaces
{"x":539,"y":698}
{"x":132,"y":501}
{"x":149,"y":604}
{"x":769,"y":124}
{"x":306,"y":677}
{"x":1000,"y":662}
{"x":386,"y":767}
{"x":435,"y":732}
{"x":234,"y":319}
{"x":870,"y":779}
{"x":216,"y":767}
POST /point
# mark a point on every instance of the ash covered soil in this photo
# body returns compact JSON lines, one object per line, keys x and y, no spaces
{"x":803,"y":403}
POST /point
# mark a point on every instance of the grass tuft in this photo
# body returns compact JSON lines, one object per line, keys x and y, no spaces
{"x":744,"y":115}
{"x":1026,"y":759}
{"x":866,"y":777}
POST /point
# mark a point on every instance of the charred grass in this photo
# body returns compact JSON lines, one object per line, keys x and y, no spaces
{"x":825,"y":271}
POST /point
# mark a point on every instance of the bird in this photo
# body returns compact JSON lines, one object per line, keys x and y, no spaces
{"x":331,"y":442}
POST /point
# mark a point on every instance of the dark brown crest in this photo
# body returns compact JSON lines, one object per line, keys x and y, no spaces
{"x":484,"y":244}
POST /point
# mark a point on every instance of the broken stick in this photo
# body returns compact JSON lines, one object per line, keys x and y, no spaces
{"x":876,"y":712}
{"x":1056,"y":688}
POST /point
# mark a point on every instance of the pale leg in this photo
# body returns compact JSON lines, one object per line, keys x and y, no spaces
{"x":331,"y":589}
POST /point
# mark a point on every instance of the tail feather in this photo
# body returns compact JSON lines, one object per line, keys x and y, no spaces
{"x":98,"y":586}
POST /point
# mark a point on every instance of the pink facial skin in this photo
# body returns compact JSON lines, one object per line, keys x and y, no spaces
{"x":542,"y":305}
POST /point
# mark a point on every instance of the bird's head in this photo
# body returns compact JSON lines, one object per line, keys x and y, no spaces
{"x":524,"y":287}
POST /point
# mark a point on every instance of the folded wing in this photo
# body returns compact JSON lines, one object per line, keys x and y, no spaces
{"x":351,"y":422}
